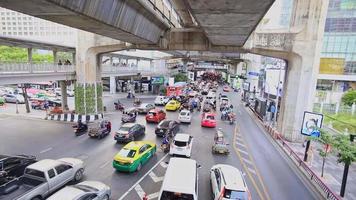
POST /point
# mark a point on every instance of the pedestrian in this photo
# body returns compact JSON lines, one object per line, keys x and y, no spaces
{"x":273,"y":110}
{"x":310,"y":155}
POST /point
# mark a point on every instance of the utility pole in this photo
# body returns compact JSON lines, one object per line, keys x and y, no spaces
{"x":346,"y":171}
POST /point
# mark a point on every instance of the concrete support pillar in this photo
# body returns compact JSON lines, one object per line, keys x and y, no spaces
{"x":29,"y":55}
{"x":127,"y":62}
{"x":151,"y":66}
{"x":73,"y":58}
{"x":111,"y":60}
{"x":88,"y":88}
{"x":112,"y":85}
{"x":64,"y":98}
{"x":55,"y":59}
{"x":137,"y":62}
{"x":303,"y":66}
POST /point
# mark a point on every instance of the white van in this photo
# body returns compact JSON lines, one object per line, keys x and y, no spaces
{"x":180,"y":181}
{"x":161,"y":100}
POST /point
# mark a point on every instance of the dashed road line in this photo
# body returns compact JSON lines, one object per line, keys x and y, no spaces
{"x":242,"y":151}
{"x":155,"y":178}
{"x":247,"y":161}
{"x":139,"y":191}
{"x":252,"y":170}
{"x":153,"y":195}
{"x":46,"y":150}
{"x":144,"y":176}
{"x":163,"y":164}
{"x":240,"y":144}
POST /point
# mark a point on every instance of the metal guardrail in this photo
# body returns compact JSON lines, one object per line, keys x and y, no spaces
{"x":16,"y":68}
{"x":314,"y":178}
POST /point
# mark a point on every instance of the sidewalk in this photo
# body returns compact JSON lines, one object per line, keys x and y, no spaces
{"x":333,"y":170}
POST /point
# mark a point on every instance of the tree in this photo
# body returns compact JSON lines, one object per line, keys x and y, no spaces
{"x":16,"y":54}
{"x":327,"y":140}
{"x":349,"y":97}
{"x":346,"y":155}
{"x":180,"y":77}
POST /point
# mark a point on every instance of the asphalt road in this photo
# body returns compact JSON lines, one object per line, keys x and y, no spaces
{"x":268,"y":175}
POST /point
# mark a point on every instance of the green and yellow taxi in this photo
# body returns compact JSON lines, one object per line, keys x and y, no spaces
{"x":133,"y":155}
{"x":172,"y":105}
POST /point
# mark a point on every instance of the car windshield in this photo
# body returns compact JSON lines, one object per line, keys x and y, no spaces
{"x":129,"y":153}
{"x":124,"y":128}
{"x":166,"y":195}
{"x":236,"y":195}
{"x":152,"y":113}
{"x":210,"y":117}
{"x":85,"y":188}
{"x":172,"y":102}
{"x":183,"y":113}
{"x":164,"y":124}
{"x":180,"y":143}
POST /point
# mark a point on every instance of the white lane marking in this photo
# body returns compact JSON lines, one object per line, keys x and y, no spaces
{"x":155,"y":178}
{"x":83,"y":157}
{"x":247,"y":161}
{"x":240,"y":144}
{"x":153,"y":195}
{"x":106,"y":163}
{"x":46,"y":150}
{"x":140,"y":191}
{"x":251,"y":170}
{"x":144,"y":176}
{"x":163,"y":164}
{"x":242,"y":151}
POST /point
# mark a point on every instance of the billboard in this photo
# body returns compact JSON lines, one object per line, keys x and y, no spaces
{"x":312,"y":122}
{"x":332,"y":66}
{"x":157,"y":80}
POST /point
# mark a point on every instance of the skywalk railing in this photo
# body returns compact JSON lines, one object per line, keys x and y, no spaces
{"x":15,"y":68}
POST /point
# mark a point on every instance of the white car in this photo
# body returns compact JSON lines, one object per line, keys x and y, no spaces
{"x":58,"y":92}
{"x":13,"y":98}
{"x":161,"y":100}
{"x":93,"y":190}
{"x":185,"y":116}
{"x":227,"y":182}
{"x":181,"y":145}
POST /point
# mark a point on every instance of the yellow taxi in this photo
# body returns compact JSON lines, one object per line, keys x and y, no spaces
{"x":172,"y":105}
{"x":133,"y":155}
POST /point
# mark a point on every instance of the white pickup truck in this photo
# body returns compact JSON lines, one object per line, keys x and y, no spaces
{"x":43,"y":178}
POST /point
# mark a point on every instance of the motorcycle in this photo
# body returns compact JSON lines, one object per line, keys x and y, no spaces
{"x":137,"y":102}
{"x":80,"y":130}
{"x":119,"y":106}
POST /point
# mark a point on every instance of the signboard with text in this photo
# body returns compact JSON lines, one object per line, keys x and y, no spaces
{"x":312,"y":122}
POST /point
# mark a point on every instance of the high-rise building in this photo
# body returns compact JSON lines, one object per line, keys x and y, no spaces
{"x":15,"y":24}
{"x":337,"y":72}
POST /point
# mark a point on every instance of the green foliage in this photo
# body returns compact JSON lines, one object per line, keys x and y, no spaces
{"x":341,"y":121}
{"x":99,"y":94}
{"x":326,"y":139}
{"x":347,"y":150}
{"x":349,"y":97}
{"x":180,"y":77}
{"x":79,"y":98}
{"x":90,"y":98}
{"x":15,"y":54}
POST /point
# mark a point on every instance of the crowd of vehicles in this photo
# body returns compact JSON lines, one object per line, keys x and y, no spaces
{"x":39,"y":179}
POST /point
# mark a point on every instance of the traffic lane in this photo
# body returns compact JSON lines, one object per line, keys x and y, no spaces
{"x":279,"y":179}
{"x":32,"y":136}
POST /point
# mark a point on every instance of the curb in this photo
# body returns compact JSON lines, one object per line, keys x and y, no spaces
{"x":68,"y":117}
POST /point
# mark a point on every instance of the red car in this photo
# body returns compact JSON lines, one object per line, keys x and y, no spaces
{"x":155,"y":115}
{"x":226,"y":88}
{"x":208,"y":120}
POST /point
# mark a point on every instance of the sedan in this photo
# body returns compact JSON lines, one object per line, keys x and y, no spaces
{"x":172,"y":105}
{"x":167,"y":127}
{"x":133,"y":155}
{"x":155,"y":115}
{"x":129,"y":132}
{"x":208,"y":120}
{"x":93,"y":190}
{"x":144,"y":108}
{"x":185,"y":116}
{"x":13,"y":98}
{"x":226,"y":88}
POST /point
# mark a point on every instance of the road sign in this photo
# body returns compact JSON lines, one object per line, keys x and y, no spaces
{"x":312,"y":122}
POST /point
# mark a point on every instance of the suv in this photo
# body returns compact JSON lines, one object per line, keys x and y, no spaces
{"x":227,"y":182}
{"x":181,"y":145}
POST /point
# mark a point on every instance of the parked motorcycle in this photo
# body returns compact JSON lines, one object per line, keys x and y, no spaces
{"x":119,"y":106}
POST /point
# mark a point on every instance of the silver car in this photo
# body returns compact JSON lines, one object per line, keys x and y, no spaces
{"x":93,"y":190}
{"x":13,"y":98}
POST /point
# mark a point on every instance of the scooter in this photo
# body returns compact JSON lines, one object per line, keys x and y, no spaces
{"x":119,"y":106}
